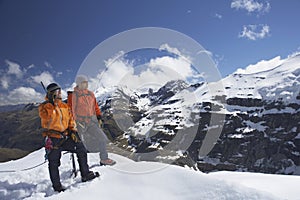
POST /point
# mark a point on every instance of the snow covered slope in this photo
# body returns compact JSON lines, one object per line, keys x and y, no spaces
{"x":262,"y":116}
{"x":150,"y":121}
{"x":276,"y":79}
{"x":139,"y":180}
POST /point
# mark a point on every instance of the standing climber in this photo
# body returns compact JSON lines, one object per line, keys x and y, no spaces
{"x":88,"y":119}
{"x":61,"y":135}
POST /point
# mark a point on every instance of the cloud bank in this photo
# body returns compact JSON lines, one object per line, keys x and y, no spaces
{"x":21,"y":85}
{"x":155,"y":73}
{"x":44,"y":77}
{"x":14,"y":69}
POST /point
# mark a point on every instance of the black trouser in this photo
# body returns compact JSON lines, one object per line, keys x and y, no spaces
{"x":55,"y":155}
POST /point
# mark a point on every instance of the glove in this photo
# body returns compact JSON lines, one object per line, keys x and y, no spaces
{"x":100,"y":123}
{"x":48,"y":146}
{"x":48,"y":143}
{"x":74,"y":136}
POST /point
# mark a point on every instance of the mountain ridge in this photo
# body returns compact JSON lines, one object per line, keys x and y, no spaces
{"x":246,"y":117}
{"x":256,"y":134}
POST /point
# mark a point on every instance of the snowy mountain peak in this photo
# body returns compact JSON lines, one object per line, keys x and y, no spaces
{"x":271,"y":80}
{"x":276,"y":64}
{"x":261,"y":66}
{"x":174,"y":86}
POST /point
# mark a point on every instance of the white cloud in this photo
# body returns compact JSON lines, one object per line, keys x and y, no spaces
{"x":115,"y":58}
{"x":155,"y":73}
{"x":14,"y":68}
{"x":254,"y":32}
{"x":251,"y":6}
{"x":173,"y":50}
{"x":22,"y":95}
{"x":45,"y":77}
{"x":18,"y":86}
{"x":150,"y":78}
{"x":177,"y":65}
{"x":115,"y":71}
{"x":5,"y":82}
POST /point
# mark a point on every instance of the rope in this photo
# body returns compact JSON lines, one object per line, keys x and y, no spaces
{"x":28,"y":168}
{"x":25,"y":169}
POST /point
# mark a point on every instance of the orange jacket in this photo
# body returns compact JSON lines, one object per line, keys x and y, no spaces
{"x":83,"y":104}
{"x":57,"y":117}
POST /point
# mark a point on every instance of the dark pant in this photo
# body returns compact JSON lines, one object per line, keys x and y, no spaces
{"x":55,"y":155}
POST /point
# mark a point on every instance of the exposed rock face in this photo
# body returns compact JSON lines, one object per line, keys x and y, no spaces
{"x":257,"y":140}
{"x":20,"y":132}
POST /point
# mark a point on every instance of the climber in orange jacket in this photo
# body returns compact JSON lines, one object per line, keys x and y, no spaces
{"x":61,"y":135}
{"x":87,"y":114}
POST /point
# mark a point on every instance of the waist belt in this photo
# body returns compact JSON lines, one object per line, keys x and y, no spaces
{"x":55,"y":134}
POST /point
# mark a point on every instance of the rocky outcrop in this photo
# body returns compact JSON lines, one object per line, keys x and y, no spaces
{"x":20,"y":132}
{"x":259,"y":141}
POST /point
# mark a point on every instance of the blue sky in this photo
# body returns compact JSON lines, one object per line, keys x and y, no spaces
{"x":50,"y":39}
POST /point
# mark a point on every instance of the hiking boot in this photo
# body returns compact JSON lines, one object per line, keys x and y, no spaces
{"x":59,"y":188}
{"x":90,"y":176}
{"x":107,"y":162}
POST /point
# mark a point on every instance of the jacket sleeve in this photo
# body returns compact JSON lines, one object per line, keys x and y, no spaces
{"x":72,"y":123}
{"x":45,"y":113}
{"x":70,"y":101}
